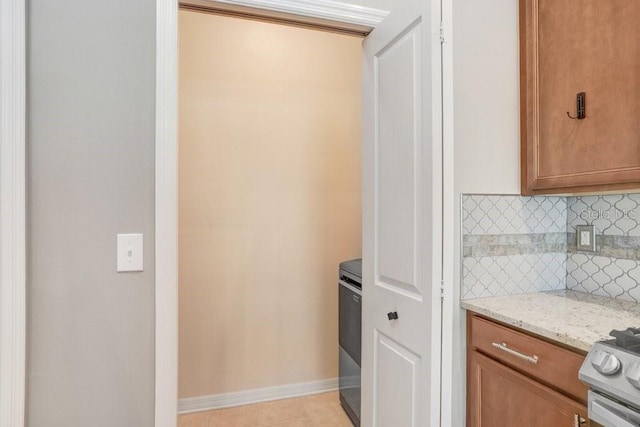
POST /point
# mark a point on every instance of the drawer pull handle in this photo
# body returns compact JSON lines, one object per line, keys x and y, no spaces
{"x":503,"y":347}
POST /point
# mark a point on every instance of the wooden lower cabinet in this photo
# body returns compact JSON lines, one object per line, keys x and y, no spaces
{"x":501,"y":397}
{"x":502,"y":394}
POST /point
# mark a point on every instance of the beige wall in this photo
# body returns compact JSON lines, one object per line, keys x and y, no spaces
{"x":270,"y":200}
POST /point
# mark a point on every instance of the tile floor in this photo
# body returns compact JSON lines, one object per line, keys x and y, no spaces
{"x":319,"y":410}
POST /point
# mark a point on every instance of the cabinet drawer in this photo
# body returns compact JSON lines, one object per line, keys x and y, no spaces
{"x":550,"y":364}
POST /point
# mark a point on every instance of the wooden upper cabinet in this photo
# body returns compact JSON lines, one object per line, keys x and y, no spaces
{"x":568,"y":47}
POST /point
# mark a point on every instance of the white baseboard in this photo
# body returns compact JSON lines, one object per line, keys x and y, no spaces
{"x":226,"y":400}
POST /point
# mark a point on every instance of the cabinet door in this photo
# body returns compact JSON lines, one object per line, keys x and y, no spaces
{"x":567,"y":48}
{"x":500,"y":397}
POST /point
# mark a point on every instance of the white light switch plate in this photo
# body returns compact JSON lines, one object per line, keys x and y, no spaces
{"x":129,"y":252}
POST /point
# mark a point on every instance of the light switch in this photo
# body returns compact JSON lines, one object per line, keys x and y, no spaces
{"x":586,"y":239}
{"x":129,"y":252}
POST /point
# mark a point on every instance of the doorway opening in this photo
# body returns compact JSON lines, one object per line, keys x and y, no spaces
{"x":270,"y":202}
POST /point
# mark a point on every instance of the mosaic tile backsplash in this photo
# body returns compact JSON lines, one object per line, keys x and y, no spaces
{"x":613,"y":270}
{"x":491,"y":214}
{"x":514,"y":244}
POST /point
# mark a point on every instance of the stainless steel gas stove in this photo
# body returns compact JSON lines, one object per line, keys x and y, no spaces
{"x":612,"y":371}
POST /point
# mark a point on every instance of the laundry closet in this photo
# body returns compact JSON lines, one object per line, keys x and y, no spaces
{"x":270,"y":201}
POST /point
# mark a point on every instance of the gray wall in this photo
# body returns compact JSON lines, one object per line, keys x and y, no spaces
{"x":91,"y":103}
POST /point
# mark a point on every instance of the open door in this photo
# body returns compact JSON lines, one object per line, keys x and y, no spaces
{"x":402,"y":219}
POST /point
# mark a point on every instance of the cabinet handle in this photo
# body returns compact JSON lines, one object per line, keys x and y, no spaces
{"x":503,"y":347}
{"x":578,"y":420}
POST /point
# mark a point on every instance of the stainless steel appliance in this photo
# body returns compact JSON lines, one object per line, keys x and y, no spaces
{"x":612,"y":371}
{"x":350,"y":336}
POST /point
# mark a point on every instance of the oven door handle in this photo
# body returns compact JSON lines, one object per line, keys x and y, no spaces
{"x":610,"y":416}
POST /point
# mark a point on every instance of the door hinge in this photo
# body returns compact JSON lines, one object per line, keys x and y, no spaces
{"x":442,"y":289}
{"x":441,"y":32}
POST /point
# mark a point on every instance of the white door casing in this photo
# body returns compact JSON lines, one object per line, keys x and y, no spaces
{"x":12,"y":211}
{"x":402,"y":218}
{"x":166,"y":366}
{"x":166,"y":215}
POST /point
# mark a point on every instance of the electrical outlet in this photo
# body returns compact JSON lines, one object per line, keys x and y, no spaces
{"x":585,"y":238}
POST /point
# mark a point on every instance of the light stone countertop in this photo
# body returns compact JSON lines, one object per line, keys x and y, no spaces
{"x":572,"y":318}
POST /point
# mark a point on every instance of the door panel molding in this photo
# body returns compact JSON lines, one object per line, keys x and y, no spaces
{"x":386,"y":388}
{"x":398,"y":136}
{"x":400,"y":288}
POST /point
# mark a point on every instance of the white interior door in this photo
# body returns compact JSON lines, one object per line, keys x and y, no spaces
{"x":402,"y":220}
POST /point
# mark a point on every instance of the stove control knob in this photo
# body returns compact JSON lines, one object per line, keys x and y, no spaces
{"x":633,"y":375}
{"x":605,"y":363}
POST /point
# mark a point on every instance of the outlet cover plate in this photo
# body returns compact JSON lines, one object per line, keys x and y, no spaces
{"x":586,"y":238}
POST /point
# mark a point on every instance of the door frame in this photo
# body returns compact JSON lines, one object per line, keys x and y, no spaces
{"x":13,"y":191}
{"x":166,"y":238}
{"x":12,"y":211}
